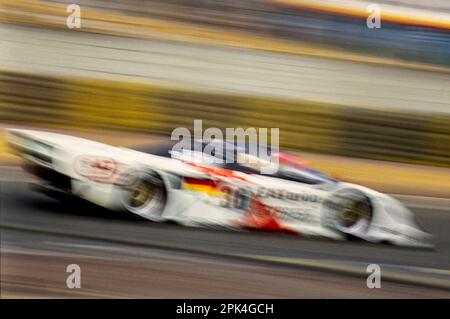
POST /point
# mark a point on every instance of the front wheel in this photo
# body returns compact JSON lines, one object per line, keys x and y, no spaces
{"x":350,"y":212}
{"x":146,"y":196}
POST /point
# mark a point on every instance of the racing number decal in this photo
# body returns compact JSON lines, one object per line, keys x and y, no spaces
{"x":235,"y":197}
{"x":241,"y":199}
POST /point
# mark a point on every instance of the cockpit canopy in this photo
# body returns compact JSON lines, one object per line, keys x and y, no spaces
{"x":244,"y":158}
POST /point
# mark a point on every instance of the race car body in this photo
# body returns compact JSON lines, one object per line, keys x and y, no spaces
{"x":159,"y":184}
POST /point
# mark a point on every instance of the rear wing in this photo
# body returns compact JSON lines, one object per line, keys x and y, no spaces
{"x":29,"y":147}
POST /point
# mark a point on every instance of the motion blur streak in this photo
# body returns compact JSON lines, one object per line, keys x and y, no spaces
{"x":179,"y":274}
{"x":368,"y":106}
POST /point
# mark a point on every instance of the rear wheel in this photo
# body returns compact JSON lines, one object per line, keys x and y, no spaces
{"x":146,"y":196}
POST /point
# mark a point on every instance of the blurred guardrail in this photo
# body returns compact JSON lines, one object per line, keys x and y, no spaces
{"x":298,"y":27}
{"x":420,"y":138}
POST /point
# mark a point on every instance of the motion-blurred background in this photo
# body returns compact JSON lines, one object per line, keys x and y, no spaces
{"x":371,"y":106}
{"x":312,"y":68}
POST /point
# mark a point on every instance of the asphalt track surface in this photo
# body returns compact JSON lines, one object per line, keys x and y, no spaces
{"x":125,"y":257}
{"x":234,"y":70}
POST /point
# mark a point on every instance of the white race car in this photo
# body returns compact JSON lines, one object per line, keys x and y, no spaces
{"x":157,"y":184}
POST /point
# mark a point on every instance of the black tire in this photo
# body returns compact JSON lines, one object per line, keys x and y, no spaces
{"x":146,"y":197}
{"x":349,"y":211}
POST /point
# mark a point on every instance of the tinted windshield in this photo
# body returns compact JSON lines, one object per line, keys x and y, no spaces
{"x":228,"y":152}
{"x":229,"y":155}
{"x":307,"y":176}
